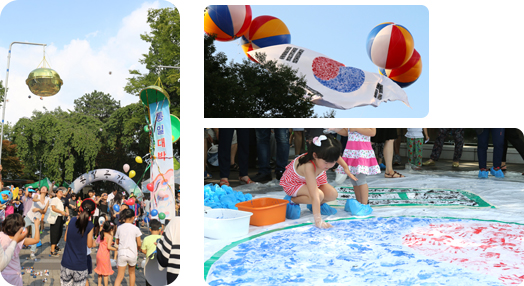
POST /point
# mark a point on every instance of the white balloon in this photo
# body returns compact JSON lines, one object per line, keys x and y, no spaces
{"x":126,"y":168}
{"x":101,"y":220}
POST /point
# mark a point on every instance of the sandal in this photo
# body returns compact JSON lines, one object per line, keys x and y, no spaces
{"x":234,"y":167}
{"x":503,"y":168}
{"x":224,"y":182}
{"x":245,"y":182}
{"x":394,"y":175}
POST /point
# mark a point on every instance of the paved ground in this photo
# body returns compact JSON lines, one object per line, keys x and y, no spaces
{"x":45,"y":262}
{"x":441,"y":165}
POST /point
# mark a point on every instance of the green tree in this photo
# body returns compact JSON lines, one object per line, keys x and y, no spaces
{"x":66,"y":144}
{"x":250,"y":89}
{"x":163,"y":51}
{"x":98,"y":104}
{"x":11,"y":164}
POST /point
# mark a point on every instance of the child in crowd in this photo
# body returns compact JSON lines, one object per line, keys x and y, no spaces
{"x":103,"y":261}
{"x":305,"y":179}
{"x":415,"y":145}
{"x":128,"y":241}
{"x":360,"y":158}
{"x":148,"y":245}
{"x":10,"y":229}
{"x":78,"y":237}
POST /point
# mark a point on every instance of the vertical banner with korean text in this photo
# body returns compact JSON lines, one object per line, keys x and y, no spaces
{"x":162,"y":176}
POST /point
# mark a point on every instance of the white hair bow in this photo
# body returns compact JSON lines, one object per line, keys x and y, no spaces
{"x":318,"y":140}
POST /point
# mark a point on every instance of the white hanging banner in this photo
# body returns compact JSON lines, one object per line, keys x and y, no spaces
{"x":331,"y":83}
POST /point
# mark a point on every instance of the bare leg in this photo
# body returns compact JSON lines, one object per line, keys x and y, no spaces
{"x":299,"y":142}
{"x":330,"y":194}
{"x":388,"y":156}
{"x":362,"y":193}
{"x":120,"y":275}
{"x":131,"y":275}
{"x":100,"y":280}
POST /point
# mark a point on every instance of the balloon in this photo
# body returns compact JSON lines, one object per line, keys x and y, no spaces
{"x":227,"y":22}
{"x":161,"y":215}
{"x":407,"y":74}
{"x":101,"y":220}
{"x":138,"y":159}
{"x":331,"y":83}
{"x":6,"y":196}
{"x":130,"y":202}
{"x":146,"y":129}
{"x":116,"y":208}
{"x":132,"y":174}
{"x":265,"y":31}
{"x":150,"y":187}
{"x":126,"y":168}
{"x":154,"y":212}
{"x":390,"y":45}
{"x":15,"y":192}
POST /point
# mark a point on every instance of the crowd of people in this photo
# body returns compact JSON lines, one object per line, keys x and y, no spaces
{"x":304,"y":179}
{"x":98,"y":221}
{"x":235,"y":152}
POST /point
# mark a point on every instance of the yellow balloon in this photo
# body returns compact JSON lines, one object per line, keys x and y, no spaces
{"x":138,"y":159}
{"x":172,"y":138}
{"x":132,"y":174}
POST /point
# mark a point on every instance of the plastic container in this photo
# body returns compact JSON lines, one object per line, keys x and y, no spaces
{"x":265,"y":211}
{"x":226,"y":223}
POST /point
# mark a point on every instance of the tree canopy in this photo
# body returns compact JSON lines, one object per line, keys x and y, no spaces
{"x":163,"y":51}
{"x":250,"y":89}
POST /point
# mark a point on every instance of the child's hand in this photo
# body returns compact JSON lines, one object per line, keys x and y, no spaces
{"x":320,"y":223}
{"x":37,"y":222}
{"x":352,"y":177}
{"x":20,"y":235}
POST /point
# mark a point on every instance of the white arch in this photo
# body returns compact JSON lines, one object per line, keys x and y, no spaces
{"x":107,"y":175}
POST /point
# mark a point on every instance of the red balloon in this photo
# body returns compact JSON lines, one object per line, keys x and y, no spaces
{"x":130,"y":202}
{"x":150,"y":187}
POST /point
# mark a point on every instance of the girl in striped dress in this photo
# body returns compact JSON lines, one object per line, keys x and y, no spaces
{"x":360,"y":158}
{"x":305,"y":179}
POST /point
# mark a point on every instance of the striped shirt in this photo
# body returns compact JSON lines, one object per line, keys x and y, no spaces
{"x":168,"y":250}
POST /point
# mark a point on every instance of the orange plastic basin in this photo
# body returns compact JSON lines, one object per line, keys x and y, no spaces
{"x":265,"y":211}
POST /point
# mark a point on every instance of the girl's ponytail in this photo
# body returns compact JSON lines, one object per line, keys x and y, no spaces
{"x":87,"y":209}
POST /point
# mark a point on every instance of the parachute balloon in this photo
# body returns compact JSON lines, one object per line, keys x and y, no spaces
{"x":154,"y":212}
{"x":389,"y":45}
{"x":407,"y":74}
{"x":132,"y":173}
{"x":126,"y":168}
{"x":265,"y":31}
{"x":227,"y":22}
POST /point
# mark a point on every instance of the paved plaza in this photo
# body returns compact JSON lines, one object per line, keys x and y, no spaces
{"x":46,"y":262}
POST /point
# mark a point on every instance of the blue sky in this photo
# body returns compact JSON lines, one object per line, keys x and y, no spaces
{"x":340,"y":32}
{"x":86,"y":40}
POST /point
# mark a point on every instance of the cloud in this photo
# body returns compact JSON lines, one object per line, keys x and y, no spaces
{"x":82,"y":67}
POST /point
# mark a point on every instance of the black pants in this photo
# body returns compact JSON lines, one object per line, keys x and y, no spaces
{"x":224,"y":150}
{"x":56,"y":230}
{"x":515,"y":137}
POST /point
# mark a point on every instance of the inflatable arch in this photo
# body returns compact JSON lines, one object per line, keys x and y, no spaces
{"x":107,"y":175}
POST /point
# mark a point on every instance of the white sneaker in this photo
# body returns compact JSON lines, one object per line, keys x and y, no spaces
{"x":32,"y":256}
